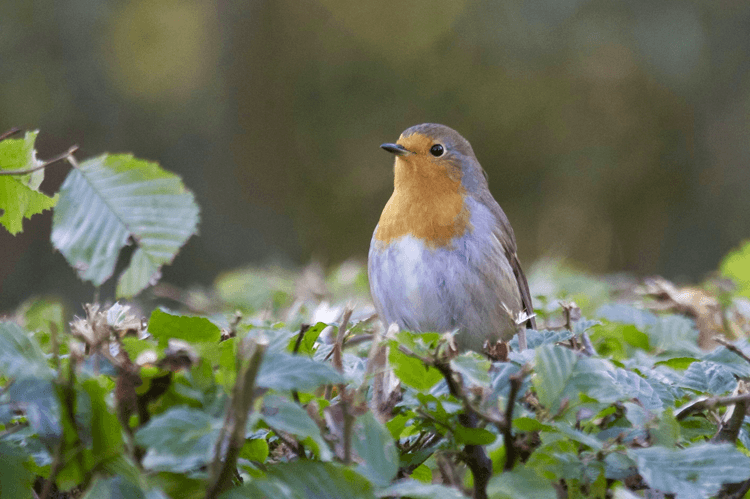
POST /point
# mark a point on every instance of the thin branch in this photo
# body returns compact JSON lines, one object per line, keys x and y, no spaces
{"x":338,"y":347}
{"x":702,"y":404}
{"x":66,"y":155}
{"x":732,"y":348}
{"x":344,"y":394}
{"x":730,"y":431}
{"x":242,"y":401}
{"x":10,"y":132}
{"x":68,"y":409}
{"x":516,"y":381}
{"x":474,"y":455}
{"x":588,"y":347}
{"x":302,"y":330}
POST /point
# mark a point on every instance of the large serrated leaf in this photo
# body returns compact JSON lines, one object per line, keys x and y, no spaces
{"x":19,"y":194}
{"x":179,"y":440}
{"x":696,"y":472}
{"x":708,"y":377}
{"x":376,"y":450}
{"x":418,"y":490}
{"x":282,"y":414}
{"x":554,"y":368}
{"x":112,"y":198}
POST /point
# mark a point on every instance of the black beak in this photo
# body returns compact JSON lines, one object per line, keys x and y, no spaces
{"x":396,"y":149}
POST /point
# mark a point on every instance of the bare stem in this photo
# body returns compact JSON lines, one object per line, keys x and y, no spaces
{"x":10,"y":132}
{"x":732,"y":348}
{"x":516,"y":381}
{"x":234,"y":425}
{"x":66,"y":155}
{"x":709,"y":403}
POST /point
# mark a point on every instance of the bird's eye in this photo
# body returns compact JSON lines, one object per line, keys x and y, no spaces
{"x":437,"y":150}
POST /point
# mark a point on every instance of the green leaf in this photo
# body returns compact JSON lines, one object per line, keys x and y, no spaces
{"x":255,"y":449}
{"x":422,"y":473}
{"x":305,"y":480}
{"x":117,"y":486}
{"x":521,"y":483}
{"x":632,"y":386}
{"x":179,"y":440}
{"x":284,"y":372}
{"x":397,"y":424}
{"x":538,"y":338}
{"x":106,"y":432}
{"x":627,"y":314}
{"x":473,"y":436}
{"x":554,"y":368}
{"x":473,"y":368}
{"x":164,"y":326}
{"x":19,"y":194}
{"x":692,"y":473}
{"x":636,"y":338}
{"x":15,"y":480}
{"x":675,"y":333}
{"x":677,"y":363}
{"x":736,"y":266}
{"x":307,"y":345}
{"x":419,"y":490}
{"x":412,"y":372}
{"x":377,"y":450}
{"x":110,"y":199}
{"x":708,"y":377}
{"x":20,"y":356}
{"x":282,"y":414}
{"x":579,"y":436}
{"x":530,"y":424}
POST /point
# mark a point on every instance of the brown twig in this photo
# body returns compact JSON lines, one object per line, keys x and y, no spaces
{"x":732,"y":348}
{"x":709,"y":403}
{"x":242,"y":401}
{"x":516,"y":381}
{"x":474,"y":455}
{"x":730,"y":431}
{"x":66,"y":155}
{"x":10,"y":132}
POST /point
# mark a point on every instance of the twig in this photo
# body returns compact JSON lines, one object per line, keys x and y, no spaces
{"x":242,"y":401}
{"x":730,"y":431}
{"x":588,"y":347}
{"x":701,"y":404}
{"x":732,"y":348}
{"x":344,"y":394}
{"x":338,"y":347}
{"x":474,"y":455}
{"x":68,"y":408}
{"x":10,"y":132}
{"x":302,"y":330}
{"x":294,"y":446}
{"x":516,"y":381}
{"x":66,"y":155}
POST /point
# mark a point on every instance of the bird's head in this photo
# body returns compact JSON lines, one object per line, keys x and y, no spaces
{"x":430,"y":154}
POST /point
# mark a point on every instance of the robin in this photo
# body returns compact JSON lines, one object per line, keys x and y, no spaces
{"x":443,"y":255}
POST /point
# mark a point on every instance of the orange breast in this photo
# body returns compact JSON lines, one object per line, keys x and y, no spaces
{"x":427,"y":203}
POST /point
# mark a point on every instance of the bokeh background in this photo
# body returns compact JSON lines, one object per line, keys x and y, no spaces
{"x":616,"y":134}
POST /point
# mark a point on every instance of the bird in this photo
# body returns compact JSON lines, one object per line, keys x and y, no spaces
{"x":443,"y":255}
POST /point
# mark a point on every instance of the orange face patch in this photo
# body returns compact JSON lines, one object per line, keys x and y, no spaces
{"x":428,"y":198}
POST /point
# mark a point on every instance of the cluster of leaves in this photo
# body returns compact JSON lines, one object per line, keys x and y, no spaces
{"x":232,"y":406}
{"x":273,"y":392}
{"x":104,"y":204}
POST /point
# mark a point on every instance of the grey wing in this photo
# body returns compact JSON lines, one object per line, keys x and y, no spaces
{"x":505,"y":234}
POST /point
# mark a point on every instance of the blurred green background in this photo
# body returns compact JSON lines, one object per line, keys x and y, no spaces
{"x":616,"y":134}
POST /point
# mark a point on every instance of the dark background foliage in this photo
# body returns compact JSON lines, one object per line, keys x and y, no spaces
{"x":615,"y":134}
